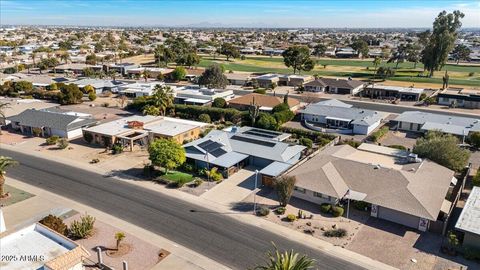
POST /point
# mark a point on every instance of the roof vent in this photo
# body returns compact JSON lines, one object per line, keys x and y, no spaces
{"x":234,"y":129}
{"x":376,"y":167}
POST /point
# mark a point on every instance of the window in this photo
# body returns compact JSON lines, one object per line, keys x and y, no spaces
{"x":411,"y":126}
{"x":316,"y":194}
{"x":301,"y":190}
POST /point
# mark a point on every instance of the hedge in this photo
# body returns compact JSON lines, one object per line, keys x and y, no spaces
{"x":312,"y":135}
{"x":377,"y":135}
{"x":216,"y":114}
{"x":337,"y":211}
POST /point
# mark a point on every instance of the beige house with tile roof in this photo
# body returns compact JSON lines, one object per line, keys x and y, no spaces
{"x":400,"y":187}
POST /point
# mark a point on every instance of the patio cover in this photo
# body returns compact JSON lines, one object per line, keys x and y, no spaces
{"x":229,"y":159}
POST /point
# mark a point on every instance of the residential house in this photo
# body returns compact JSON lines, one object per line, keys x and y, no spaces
{"x":51,"y":121}
{"x":267,"y":80}
{"x":340,"y":117}
{"x":152,"y":71}
{"x":194,"y":95}
{"x":315,"y":86}
{"x":138,"y":89}
{"x":238,"y":78}
{"x":38,"y":247}
{"x":266,"y":102}
{"x":232,"y":149}
{"x":76,"y":68}
{"x":398,"y":186}
{"x":464,"y":98}
{"x":346,"y":52}
{"x":121,"y":68}
{"x":469,"y":220}
{"x":342,"y":86}
{"x":422,"y":122}
{"x":379,"y":91}
{"x":140,"y":130}
{"x":100,"y":85}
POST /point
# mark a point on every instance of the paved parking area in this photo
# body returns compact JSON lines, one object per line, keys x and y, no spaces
{"x":399,"y":246}
{"x":234,"y":189}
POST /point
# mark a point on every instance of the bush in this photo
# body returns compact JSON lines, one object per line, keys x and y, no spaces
{"x":283,"y":116}
{"x":52,"y":140}
{"x":55,"y":223}
{"x":352,"y":143}
{"x":260,"y":91}
{"x":325,"y":208}
{"x":337,"y":211}
{"x":312,"y":135}
{"x":219,"y":103}
{"x":92,"y":96}
{"x":83,"y":228}
{"x":470,"y":74}
{"x":291,"y":217}
{"x":216,"y":114}
{"x":204,"y":118}
{"x":280,"y":210}
{"x":62,"y":143}
{"x":186,"y":167}
{"x":396,"y":146}
{"x":306,"y":142}
{"x":263,"y":211}
{"x":117,"y":148}
{"x":197,"y":182}
{"x":377,"y":135}
{"x":178,"y":74}
{"x":335,"y":233}
{"x":360,"y":205}
{"x":476,"y":178}
{"x":214,"y":175}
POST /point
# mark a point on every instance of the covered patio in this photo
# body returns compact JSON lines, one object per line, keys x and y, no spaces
{"x":129,"y":139}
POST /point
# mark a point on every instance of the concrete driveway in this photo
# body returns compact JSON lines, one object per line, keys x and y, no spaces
{"x":234,"y":189}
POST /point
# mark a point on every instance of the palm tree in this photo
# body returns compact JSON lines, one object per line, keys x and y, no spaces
{"x":112,"y":73}
{"x":163,"y":98}
{"x":3,"y":106}
{"x":145,"y":74}
{"x":5,"y":162}
{"x":376,"y":62}
{"x":288,"y":260}
{"x":34,"y":55}
{"x":65,"y":56}
{"x":119,"y":236}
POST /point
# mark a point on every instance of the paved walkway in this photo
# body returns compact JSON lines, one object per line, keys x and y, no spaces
{"x":234,"y":189}
{"x":339,"y":252}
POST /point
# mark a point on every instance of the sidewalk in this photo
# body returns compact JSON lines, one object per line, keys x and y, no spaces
{"x":218,"y":207}
{"x":44,"y":203}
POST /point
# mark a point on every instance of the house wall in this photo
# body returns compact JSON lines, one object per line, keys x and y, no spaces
{"x":365,"y":130}
{"x":179,"y":138}
{"x":314,"y":88}
{"x":409,"y":126}
{"x":471,"y":240}
{"x":320,"y":119}
{"x":74,"y":133}
{"x":308,"y":195}
{"x":258,"y":162}
{"x":398,"y":217}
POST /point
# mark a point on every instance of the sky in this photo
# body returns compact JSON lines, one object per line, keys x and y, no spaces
{"x":240,"y":13}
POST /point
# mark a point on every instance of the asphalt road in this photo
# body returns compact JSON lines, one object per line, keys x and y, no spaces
{"x":215,"y":235}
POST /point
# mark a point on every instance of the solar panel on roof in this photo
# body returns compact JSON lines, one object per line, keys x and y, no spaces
{"x":250,"y":140}
{"x":218,"y":152}
{"x":209,"y":145}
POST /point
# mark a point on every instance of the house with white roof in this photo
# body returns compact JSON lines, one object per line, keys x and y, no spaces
{"x":336,"y":116}
{"x":138,"y":89}
{"x":422,"y":122}
{"x":38,"y":247}
{"x":469,"y":220}
{"x":393,"y":92}
{"x":100,"y":85}
{"x":195,"y":95}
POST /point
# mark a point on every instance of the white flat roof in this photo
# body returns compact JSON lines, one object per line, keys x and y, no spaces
{"x":398,"y":88}
{"x":469,"y":220}
{"x":33,"y":240}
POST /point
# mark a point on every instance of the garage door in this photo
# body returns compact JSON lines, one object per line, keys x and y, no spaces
{"x":398,"y":217}
{"x":343,"y":91}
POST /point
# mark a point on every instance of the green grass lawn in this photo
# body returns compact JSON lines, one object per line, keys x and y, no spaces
{"x":16,"y":195}
{"x":178,"y":177}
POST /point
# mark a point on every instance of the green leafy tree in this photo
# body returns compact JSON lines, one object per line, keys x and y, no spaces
{"x":5,"y":163}
{"x":474,"y":138}
{"x":229,"y":51}
{"x":376,"y":62}
{"x":91,"y":59}
{"x":361,"y":46}
{"x":213,"y":77}
{"x":319,"y":50}
{"x":204,"y":118}
{"x":219,"y":103}
{"x":23,"y":86}
{"x":385,"y":72}
{"x":119,"y":236}
{"x":461,"y":52}
{"x":288,"y":260}
{"x":298,"y":58}
{"x":441,"y":40}
{"x":70,"y":94}
{"x":442,"y":149}
{"x":166,"y":153}
{"x":267,"y":121}
{"x":284,"y":187}
{"x":162,"y":98}
{"x":179,"y":74}
{"x":151,"y":110}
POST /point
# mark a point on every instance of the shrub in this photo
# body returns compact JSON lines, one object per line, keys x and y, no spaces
{"x":352,"y":143}
{"x":263,"y":211}
{"x":62,"y":143}
{"x":476,"y":178}
{"x":325,"y":207}
{"x":92,"y":96}
{"x":216,"y":114}
{"x":117,"y":148}
{"x":204,"y":118}
{"x":377,"y":135}
{"x":215,"y":175}
{"x":306,"y":142}
{"x":55,"y":223}
{"x":88,"y":137}
{"x":178,"y":74}
{"x":280,"y":210}
{"x":470,"y":74}
{"x":52,"y":140}
{"x":186,"y":167}
{"x":219,"y":103}
{"x":83,"y":228}
{"x":105,"y":104}
{"x":337,"y":211}
{"x":312,"y":135}
{"x":360,"y":205}
{"x":335,"y":233}
{"x":283,"y":116}
{"x":260,"y":91}
{"x":267,"y":121}
{"x":197,"y":182}
{"x":397,"y":146}
{"x":291,"y":217}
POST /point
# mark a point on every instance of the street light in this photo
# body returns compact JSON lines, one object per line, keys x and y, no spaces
{"x":255,"y":193}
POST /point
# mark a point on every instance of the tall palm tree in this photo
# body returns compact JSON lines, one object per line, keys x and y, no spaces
{"x":5,"y":162}
{"x":163,"y":98}
{"x":33,"y":56}
{"x":3,"y":106}
{"x":288,"y":260}
{"x":145,"y":74}
{"x":65,"y":56}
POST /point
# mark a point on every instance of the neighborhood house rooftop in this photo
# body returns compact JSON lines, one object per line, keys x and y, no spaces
{"x":469,"y":220}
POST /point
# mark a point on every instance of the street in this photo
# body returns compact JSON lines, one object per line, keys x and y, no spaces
{"x":215,"y":235}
